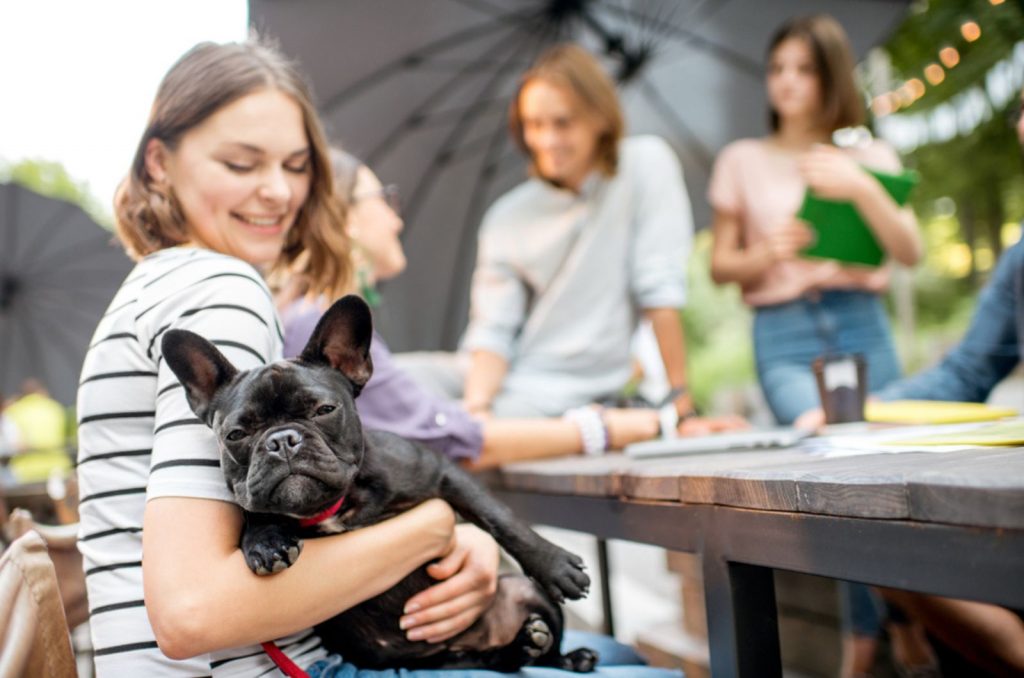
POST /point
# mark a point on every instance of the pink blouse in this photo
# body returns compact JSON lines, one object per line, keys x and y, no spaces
{"x":761,"y":184}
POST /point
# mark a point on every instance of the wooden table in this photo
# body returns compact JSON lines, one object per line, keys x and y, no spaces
{"x":949,"y":524}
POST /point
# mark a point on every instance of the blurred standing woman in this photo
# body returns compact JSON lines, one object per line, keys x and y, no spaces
{"x":804,"y":307}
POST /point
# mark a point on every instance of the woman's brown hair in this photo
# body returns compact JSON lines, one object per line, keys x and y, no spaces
{"x":842,"y":105}
{"x":574,"y":68}
{"x":205,"y":79}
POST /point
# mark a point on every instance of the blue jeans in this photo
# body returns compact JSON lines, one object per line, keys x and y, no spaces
{"x":788,"y":337}
{"x":617,"y":661}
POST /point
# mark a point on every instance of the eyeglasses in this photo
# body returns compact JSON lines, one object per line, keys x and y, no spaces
{"x":388,"y":193}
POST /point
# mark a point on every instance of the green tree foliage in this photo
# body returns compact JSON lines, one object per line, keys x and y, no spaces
{"x":51,"y":179}
{"x":980,"y":171}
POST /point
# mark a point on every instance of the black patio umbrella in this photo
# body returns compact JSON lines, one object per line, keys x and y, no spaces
{"x":420,"y":90}
{"x":59,"y":270}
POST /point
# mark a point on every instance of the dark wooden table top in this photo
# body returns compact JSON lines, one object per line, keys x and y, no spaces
{"x":982,"y":487}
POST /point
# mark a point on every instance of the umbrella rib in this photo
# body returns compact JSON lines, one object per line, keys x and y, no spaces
{"x":706,"y":157}
{"x":448,"y":65}
{"x":440,"y":117}
{"x":350,"y":93}
{"x":482,"y":6}
{"x":42,"y":277}
{"x":730,"y":56}
{"x":7,"y":330}
{"x":484,"y":181}
{"x":32,"y":346}
{"x":69,"y":253}
{"x":59,"y":216}
{"x":457,"y":133}
{"x":58,"y":330}
{"x":392,"y":137}
{"x":101,"y":296}
{"x":14,"y":195}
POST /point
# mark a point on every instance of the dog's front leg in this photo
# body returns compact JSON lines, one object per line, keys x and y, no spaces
{"x":559,"y":572}
{"x":269,"y":543}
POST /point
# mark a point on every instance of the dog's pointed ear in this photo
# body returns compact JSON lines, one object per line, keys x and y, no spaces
{"x":199,"y":366}
{"x":342,"y":340}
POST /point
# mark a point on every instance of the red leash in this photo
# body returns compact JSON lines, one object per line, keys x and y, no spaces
{"x":287,"y":666}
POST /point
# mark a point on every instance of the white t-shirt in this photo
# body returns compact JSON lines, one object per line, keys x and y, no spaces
{"x":138,"y":439}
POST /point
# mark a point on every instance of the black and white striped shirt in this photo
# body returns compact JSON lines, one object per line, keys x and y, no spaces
{"x":138,"y":440}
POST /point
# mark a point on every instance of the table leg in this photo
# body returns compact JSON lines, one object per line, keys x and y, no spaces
{"x":608,"y":625}
{"x":742,"y":620}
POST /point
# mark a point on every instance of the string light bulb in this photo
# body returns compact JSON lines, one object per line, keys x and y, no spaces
{"x":915,"y":88}
{"x":970,"y":30}
{"x":949,"y":56}
{"x":934,"y":73}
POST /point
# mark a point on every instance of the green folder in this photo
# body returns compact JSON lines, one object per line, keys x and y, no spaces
{"x":841,"y":232}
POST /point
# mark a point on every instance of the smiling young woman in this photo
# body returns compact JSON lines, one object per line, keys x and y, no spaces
{"x":230,"y":178}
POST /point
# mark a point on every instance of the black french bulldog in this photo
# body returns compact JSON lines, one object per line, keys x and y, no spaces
{"x":298,"y":462}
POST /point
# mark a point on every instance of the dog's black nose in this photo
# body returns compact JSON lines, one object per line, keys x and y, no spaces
{"x":284,"y":443}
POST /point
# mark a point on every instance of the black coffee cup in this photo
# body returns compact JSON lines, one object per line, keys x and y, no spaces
{"x":842,"y":386}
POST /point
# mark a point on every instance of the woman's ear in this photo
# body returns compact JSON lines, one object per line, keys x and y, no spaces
{"x":156,"y":160}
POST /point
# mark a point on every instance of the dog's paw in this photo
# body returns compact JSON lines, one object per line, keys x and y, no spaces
{"x":563,"y":576}
{"x":536,"y":636}
{"x":580,"y":660}
{"x":270,"y":551}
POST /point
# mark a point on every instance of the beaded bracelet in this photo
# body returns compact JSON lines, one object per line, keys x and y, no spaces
{"x":592,"y":428}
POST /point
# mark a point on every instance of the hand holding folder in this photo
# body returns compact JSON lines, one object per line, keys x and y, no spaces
{"x":841,"y":233}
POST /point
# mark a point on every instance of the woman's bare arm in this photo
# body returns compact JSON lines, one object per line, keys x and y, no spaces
{"x":201,"y":595}
{"x":733,"y":261}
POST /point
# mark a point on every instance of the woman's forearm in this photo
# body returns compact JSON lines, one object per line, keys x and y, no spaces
{"x":731,"y":262}
{"x":745,"y":267}
{"x":483,"y":381}
{"x":507,"y":440}
{"x":201,"y":595}
{"x":895,"y":227}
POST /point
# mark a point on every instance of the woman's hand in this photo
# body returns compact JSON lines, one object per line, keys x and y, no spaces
{"x":470,"y":580}
{"x":627,"y":426}
{"x":833,"y":174}
{"x":785,"y":241}
{"x":811,"y":420}
{"x":699,"y":426}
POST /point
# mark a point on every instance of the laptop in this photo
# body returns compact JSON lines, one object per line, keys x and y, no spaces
{"x":754,"y":439}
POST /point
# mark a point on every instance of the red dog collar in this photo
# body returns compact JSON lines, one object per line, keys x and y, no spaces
{"x":323,"y":515}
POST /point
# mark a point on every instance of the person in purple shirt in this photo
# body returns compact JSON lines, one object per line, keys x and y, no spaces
{"x":394,"y":402}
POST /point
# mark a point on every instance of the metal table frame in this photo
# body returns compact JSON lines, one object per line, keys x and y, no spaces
{"x":740,"y":548}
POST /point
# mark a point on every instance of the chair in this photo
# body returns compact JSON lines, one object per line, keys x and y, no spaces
{"x":34,"y":638}
{"x":62,"y":543}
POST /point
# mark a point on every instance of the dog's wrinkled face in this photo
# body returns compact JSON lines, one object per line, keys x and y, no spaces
{"x":289,"y":435}
{"x":290,"y":438}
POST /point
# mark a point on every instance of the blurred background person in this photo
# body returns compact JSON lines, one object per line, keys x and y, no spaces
{"x":393,"y":401}
{"x":569,"y":261}
{"x":41,"y":424}
{"x":803,"y":308}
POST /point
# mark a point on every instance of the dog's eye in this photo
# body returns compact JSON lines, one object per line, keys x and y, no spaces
{"x":325,"y":409}
{"x":235,"y":435}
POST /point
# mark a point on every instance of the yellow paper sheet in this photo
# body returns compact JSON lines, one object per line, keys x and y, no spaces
{"x":933,"y":412}
{"x":1000,"y":434}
